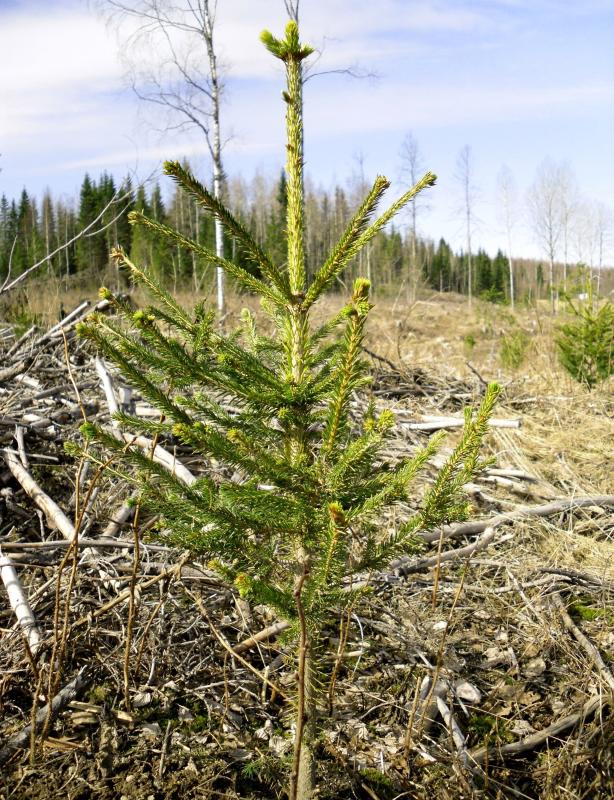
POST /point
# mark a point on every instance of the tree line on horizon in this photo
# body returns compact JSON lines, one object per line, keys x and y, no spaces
{"x":394,"y":261}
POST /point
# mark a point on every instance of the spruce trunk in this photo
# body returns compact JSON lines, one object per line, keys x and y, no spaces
{"x":303,"y":782}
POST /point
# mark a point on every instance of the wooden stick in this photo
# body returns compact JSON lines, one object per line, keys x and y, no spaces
{"x":584,"y":642}
{"x":52,"y":511}
{"x":433,"y":423}
{"x":63,"y":322}
{"x":580,"y":577}
{"x":450,"y":555}
{"x":545,"y":510}
{"x":159,"y":455}
{"x":20,"y":341}
{"x":162,"y":457}
{"x":458,"y":738}
{"x":107,"y":387}
{"x":512,"y":473}
{"x":19,"y":602}
{"x":261,"y":636}
{"x":60,"y":701}
{"x":15,"y":369}
{"x":121,"y":516}
{"x":120,"y":544}
{"x":482,"y":754}
{"x":21,"y":446}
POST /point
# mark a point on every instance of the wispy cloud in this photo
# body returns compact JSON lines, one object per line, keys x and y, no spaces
{"x":394,"y":106}
{"x":59,"y":61}
{"x":47,"y":47}
{"x":453,"y":71}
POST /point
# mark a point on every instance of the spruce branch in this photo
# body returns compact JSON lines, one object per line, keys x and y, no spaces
{"x":123,"y":352}
{"x":242,"y":276}
{"x":349,"y":244}
{"x":443,"y":502}
{"x":428,"y":180}
{"x":288,"y":49}
{"x":350,"y":375}
{"x":207,"y":200}
{"x":176,"y":313}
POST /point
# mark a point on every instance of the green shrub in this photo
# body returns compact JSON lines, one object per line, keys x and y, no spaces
{"x":586,"y":344}
{"x":17,"y":311}
{"x":513,"y":349}
{"x":469,"y":344}
{"x":493,"y":295}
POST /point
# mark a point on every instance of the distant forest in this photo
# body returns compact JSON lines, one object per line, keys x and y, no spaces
{"x":395,"y":261}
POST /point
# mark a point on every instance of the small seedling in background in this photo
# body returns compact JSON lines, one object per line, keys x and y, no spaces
{"x":513,"y":349}
{"x":586,"y":344}
{"x":469,"y":344}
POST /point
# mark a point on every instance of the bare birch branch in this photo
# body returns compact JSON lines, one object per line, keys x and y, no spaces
{"x":52,"y":511}
{"x":19,"y":602}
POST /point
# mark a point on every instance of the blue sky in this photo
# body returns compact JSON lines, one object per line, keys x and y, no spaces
{"x":517,"y":80}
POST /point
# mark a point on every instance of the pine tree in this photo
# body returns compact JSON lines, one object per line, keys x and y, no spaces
{"x":122,"y":229}
{"x":6,"y":239}
{"x":483,"y":273}
{"x":500,"y":276}
{"x":48,"y":230}
{"x":300,"y":525}
{"x":66,"y":228}
{"x":140,"y":241}
{"x":92,"y":251}
{"x":439,"y":271}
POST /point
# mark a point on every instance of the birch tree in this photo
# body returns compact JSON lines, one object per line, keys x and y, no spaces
{"x":464,"y":176}
{"x":292,"y":8}
{"x":603,"y":228}
{"x":569,"y":193}
{"x":411,"y":166}
{"x":545,"y":207}
{"x":507,"y":198}
{"x":184,"y":79}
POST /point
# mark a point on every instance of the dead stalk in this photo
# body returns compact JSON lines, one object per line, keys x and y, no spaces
{"x":344,"y":630}
{"x":302,"y":677}
{"x":136,"y":560}
{"x":59,"y":644}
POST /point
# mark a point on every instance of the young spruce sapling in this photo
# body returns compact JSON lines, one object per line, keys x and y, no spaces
{"x":299,"y":527}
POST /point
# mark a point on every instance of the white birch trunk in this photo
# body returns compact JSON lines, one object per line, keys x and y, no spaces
{"x":19,"y":603}
{"x":216,"y":149}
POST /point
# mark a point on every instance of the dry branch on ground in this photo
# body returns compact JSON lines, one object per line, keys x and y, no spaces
{"x":472,"y":665}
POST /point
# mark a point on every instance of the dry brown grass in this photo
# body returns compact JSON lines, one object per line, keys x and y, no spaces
{"x":565,"y":442}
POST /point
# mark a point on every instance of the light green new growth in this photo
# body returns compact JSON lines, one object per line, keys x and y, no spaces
{"x":299,"y":520}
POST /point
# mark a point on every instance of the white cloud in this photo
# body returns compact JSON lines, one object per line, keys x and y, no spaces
{"x":53,"y":62}
{"x":389,"y":106}
{"x":361,"y":30}
{"x":46,"y":48}
{"x":64,"y":109}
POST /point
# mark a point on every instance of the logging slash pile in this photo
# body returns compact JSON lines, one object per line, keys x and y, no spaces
{"x":480,"y":667}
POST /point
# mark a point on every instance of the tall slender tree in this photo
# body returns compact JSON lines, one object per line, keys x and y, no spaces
{"x":507,"y":212}
{"x":466,"y":180}
{"x":411,"y":167}
{"x":184,"y":79}
{"x":546,"y":215}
